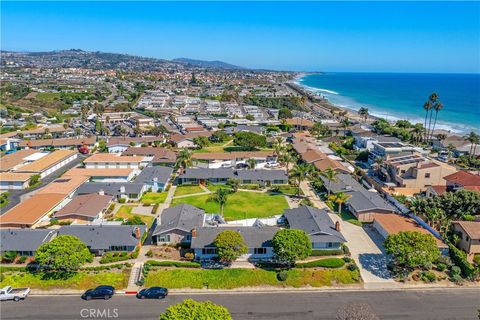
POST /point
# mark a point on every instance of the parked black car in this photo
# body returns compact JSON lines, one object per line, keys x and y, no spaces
{"x":153,"y":293}
{"x":100,"y":292}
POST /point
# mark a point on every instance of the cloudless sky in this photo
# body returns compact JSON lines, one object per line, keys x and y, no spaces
{"x":310,"y":36}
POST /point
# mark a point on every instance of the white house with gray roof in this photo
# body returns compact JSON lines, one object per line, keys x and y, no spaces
{"x":119,"y":190}
{"x":257,"y":238}
{"x":24,"y":241}
{"x":155,"y":178}
{"x":322,"y":231}
{"x":221,"y":175}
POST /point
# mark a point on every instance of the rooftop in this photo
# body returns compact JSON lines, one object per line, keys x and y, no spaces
{"x":472,"y":228}
{"x":64,"y":185}
{"x":47,"y":161}
{"x":183,"y":217}
{"x":89,"y":205}
{"x":9,"y":161}
{"x":112,"y":157}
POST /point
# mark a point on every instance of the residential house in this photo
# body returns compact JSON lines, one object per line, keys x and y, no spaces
{"x":258,"y":240}
{"x":155,"y":178}
{"x":231,"y":159}
{"x":84,"y":208}
{"x":176,"y":224}
{"x":322,"y":161}
{"x":121,"y":144}
{"x":385,"y":150}
{"x":104,"y":238}
{"x":11,"y":161}
{"x":157,"y":156}
{"x":119,"y":190}
{"x":362,"y":203}
{"x":390,"y":224}
{"x":462,"y":180}
{"x":66,"y":143}
{"x":469,"y":232}
{"x":14,"y":180}
{"x":245,"y":128}
{"x":300,"y":123}
{"x":221,"y":175}
{"x":24,"y":241}
{"x":7,"y":144}
{"x":186,"y":140}
{"x":317,"y":224}
{"x":50,"y":163}
{"x":104,"y":174}
{"x":114,"y":161}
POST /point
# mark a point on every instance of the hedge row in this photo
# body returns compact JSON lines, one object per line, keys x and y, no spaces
{"x":318,"y":252}
{"x":324,"y":263}
{"x":178,"y":264}
{"x":460,"y":259}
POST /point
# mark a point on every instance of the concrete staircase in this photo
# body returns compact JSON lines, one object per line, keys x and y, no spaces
{"x":135,"y":275}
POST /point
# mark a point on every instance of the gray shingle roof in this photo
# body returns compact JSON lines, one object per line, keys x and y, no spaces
{"x":184,"y":217}
{"x":24,"y":239}
{"x":110,"y":188}
{"x":102,"y":237}
{"x":149,"y":173}
{"x":315,"y":222}
{"x":360,"y":198}
{"x":255,"y":237}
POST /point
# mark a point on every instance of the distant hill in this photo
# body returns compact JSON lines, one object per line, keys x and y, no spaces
{"x":208,"y":64}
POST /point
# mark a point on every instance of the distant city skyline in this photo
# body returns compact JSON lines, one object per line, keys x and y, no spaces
{"x":430,"y":37}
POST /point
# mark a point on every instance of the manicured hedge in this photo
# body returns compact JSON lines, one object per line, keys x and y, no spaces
{"x":177,"y":264}
{"x":318,"y":252}
{"x":460,"y":259}
{"x":324,"y":263}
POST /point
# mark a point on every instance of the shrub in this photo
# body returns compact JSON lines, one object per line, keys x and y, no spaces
{"x":149,"y":253}
{"x":347,"y":259}
{"x":319,"y":252}
{"x":177,"y":264}
{"x":122,"y":200}
{"x":428,"y":276}
{"x":324,"y":263}
{"x":282,"y":275}
{"x":22,"y":259}
{"x":441,"y":266}
{"x":345,"y":249}
{"x":460,"y":259}
{"x":189,"y":256}
{"x":455,"y":271}
{"x":134,"y":254}
{"x":476,"y":259}
{"x":352,"y":267}
{"x":9,"y":256}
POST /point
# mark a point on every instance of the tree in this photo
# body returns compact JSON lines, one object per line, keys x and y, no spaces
{"x":34,"y":180}
{"x":331,"y":176}
{"x":285,"y":113}
{"x":184,"y":159}
{"x":193,"y":310}
{"x":201,"y":142}
{"x":220,"y":196}
{"x":287,"y":158}
{"x":437,"y":107}
{"x":234,"y":184}
{"x":345,"y":124}
{"x":412,"y":249}
{"x":339,"y":198}
{"x":63,"y":253}
{"x":250,"y":117}
{"x":278,"y":146}
{"x":133,"y":221}
{"x":290,"y":245}
{"x":230,"y":245}
{"x":363,"y":112}
{"x":300,"y":172}
{"x":219,"y":136}
{"x":249,"y":140}
{"x":102,"y":146}
{"x":474,"y":139}
{"x":252,"y":163}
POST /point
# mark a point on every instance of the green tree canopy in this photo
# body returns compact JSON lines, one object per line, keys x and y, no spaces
{"x":63,"y":253}
{"x":201,"y":141}
{"x":285,"y":113}
{"x":412,"y":249}
{"x":230,"y":245}
{"x":249,"y":140}
{"x":193,"y":310}
{"x":291,"y":244}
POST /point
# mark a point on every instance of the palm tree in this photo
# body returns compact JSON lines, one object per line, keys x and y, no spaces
{"x":287,"y":158}
{"x":363,"y":112}
{"x":301,"y":172}
{"x":184,"y":159}
{"x":437,"y":107}
{"x":220,"y":196}
{"x":331,"y":176}
{"x":345,"y":124}
{"x":474,"y":139}
{"x":427,"y":106}
{"x":418,"y":131}
{"x":278,"y":146}
{"x":234,"y":184}
{"x":251,"y":163}
{"x":339,"y":198}
{"x":432,"y":101}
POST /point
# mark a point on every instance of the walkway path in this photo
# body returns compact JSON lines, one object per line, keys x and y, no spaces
{"x":365,"y":246}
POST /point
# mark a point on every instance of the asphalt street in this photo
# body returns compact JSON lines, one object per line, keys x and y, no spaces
{"x":407,"y":304}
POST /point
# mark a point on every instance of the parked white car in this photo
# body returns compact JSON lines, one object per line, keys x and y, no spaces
{"x":272,"y":165}
{"x":15,"y":294}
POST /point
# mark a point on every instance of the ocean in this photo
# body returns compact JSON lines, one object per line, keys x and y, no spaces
{"x":396,"y":96}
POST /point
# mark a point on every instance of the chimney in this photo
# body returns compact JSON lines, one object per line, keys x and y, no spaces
{"x":122,"y":189}
{"x":337,"y":226}
{"x":137,"y":232}
{"x":194,"y":233}
{"x":101,"y":192}
{"x":155,"y":179}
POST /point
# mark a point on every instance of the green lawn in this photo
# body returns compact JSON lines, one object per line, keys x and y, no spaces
{"x":215,"y":187}
{"x":213,"y":147}
{"x":241,"y":205}
{"x":184,"y":190}
{"x":125,"y":212}
{"x":236,"y":278}
{"x":288,"y":190}
{"x":154,"y":197}
{"x":347,"y":216}
{"x":79,"y":281}
{"x":47,"y":96}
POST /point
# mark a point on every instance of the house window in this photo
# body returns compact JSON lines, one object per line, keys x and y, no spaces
{"x":209,"y":251}
{"x":467,"y":238}
{"x":260,"y":251}
{"x":402,"y":171}
{"x":330,"y":245}
{"x":164,"y":238}
{"x":188,"y":237}
{"x":427,"y":175}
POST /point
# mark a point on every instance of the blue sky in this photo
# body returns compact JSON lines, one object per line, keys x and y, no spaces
{"x":310,"y":36}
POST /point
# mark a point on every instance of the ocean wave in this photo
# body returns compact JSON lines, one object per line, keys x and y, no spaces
{"x":316,"y":90}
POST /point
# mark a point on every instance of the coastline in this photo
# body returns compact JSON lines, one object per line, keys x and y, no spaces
{"x":374,"y":114}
